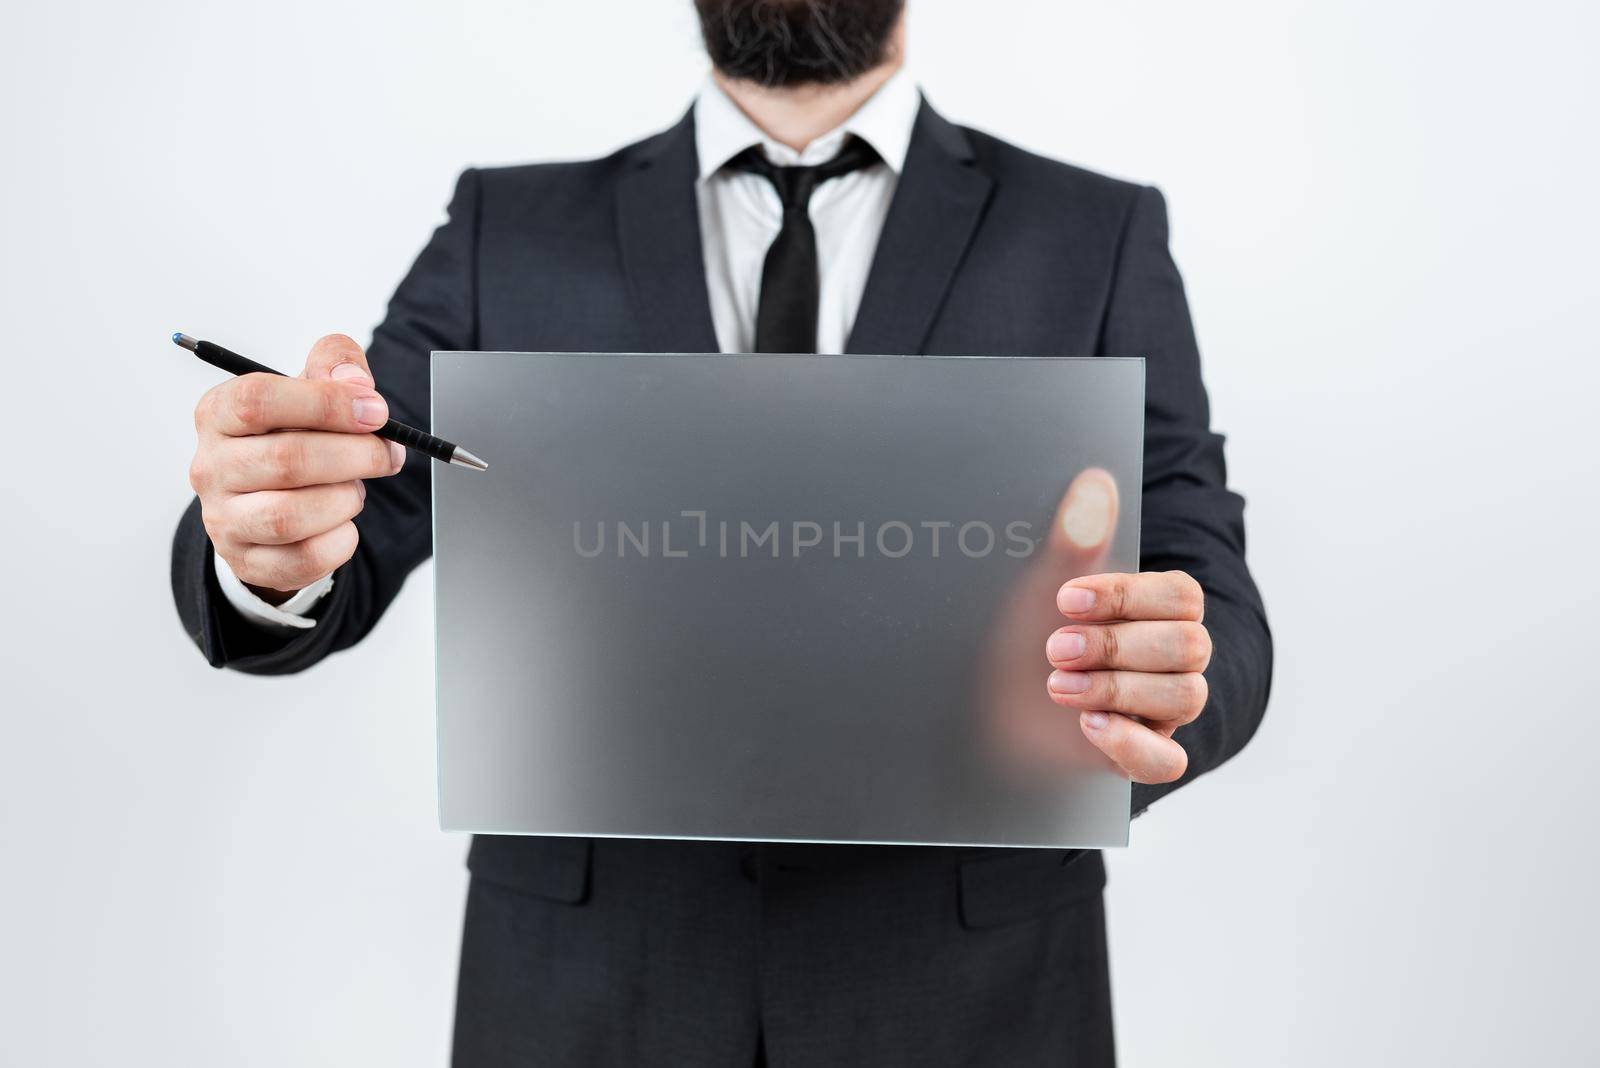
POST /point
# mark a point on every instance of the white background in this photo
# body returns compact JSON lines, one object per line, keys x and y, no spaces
{"x":1386,"y":213}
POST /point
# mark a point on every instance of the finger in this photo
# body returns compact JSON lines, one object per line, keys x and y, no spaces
{"x":338,"y":357}
{"x":1147,"y":595}
{"x":282,"y":517}
{"x":295,"y":458}
{"x":1161,"y":645}
{"x":1081,"y":534}
{"x":258,"y":403}
{"x":1171,"y":697}
{"x":1143,"y":754}
{"x":298,"y":565}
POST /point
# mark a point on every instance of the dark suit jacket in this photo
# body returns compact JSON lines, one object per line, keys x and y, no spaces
{"x":673,"y":953}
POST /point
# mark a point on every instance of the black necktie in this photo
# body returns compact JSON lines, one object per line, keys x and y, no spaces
{"x":786,"y":319}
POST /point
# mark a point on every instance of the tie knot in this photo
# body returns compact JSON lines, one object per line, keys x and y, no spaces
{"x":796,"y":184}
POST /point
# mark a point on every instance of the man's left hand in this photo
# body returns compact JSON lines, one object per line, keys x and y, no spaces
{"x":1130,"y":662}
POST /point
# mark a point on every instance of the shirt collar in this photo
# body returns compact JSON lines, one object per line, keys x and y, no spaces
{"x":885,"y":121}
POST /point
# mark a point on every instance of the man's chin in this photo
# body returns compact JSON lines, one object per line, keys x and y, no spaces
{"x":783,"y":44}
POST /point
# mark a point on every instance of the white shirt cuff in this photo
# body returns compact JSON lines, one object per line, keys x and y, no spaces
{"x":290,"y":615}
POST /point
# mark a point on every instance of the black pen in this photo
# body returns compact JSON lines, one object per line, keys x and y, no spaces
{"x":409,"y":436}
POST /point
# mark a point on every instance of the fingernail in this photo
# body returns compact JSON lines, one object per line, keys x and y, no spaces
{"x":1068,"y":681}
{"x":1065,"y":645}
{"x":352,"y":371}
{"x":1094,"y":720}
{"x":398,"y":451}
{"x":361,"y":490}
{"x":1074,"y":600}
{"x":370,"y":410}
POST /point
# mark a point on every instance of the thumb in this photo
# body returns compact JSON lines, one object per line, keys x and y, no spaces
{"x":1080,"y":538}
{"x":338,"y":356}
{"x":1026,"y":729}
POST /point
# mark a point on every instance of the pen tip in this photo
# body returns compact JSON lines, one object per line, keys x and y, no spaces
{"x":184,"y":341}
{"x":462,"y":458}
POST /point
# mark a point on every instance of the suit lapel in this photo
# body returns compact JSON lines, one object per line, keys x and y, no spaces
{"x":936,"y":209}
{"x":658,"y":232}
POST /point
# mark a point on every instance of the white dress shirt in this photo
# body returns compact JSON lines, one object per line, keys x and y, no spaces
{"x":740,"y":215}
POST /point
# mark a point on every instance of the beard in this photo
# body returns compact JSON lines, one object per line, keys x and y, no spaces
{"x":779,"y":43}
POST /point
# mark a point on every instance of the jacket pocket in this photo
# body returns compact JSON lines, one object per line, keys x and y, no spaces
{"x":553,"y":868}
{"x":1018,"y":885}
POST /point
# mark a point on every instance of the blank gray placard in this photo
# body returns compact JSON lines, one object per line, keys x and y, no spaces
{"x":772,"y":598}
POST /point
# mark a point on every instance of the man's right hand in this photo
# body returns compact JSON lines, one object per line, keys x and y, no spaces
{"x":279,"y":467}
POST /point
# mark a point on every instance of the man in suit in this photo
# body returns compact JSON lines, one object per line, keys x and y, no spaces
{"x":810,"y":201}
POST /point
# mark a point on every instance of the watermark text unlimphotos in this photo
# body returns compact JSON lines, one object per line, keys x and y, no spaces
{"x":695,"y":533}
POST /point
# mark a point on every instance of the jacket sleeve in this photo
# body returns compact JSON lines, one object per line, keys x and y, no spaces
{"x":435,"y":307}
{"x":1191,"y":521}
